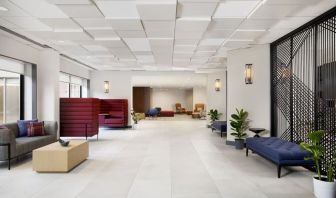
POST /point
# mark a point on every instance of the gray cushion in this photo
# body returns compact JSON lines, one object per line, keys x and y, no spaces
{"x":22,"y":145}
{"x":27,"y":144}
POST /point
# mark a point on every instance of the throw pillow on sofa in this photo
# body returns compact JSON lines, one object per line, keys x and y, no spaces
{"x":35,"y":129}
{"x":23,"y":126}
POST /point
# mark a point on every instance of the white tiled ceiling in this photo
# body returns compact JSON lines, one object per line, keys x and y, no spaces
{"x":156,"y":34}
{"x":118,"y":9}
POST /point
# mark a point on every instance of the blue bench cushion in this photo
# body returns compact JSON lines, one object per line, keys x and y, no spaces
{"x":219,"y":125}
{"x":279,"y":151}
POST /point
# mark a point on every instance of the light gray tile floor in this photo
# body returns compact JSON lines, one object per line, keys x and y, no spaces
{"x":163,"y":158}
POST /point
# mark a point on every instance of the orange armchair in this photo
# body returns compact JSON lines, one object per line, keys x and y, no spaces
{"x":199,"y":107}
{"x":179,"y":108}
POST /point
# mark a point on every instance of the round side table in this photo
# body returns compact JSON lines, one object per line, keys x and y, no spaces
{"x":257,"y":131}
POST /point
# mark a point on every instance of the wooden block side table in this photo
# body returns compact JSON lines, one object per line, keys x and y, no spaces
{"x":55,"y":158}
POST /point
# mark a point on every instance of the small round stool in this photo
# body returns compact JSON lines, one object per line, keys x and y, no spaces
{"x":257,"y":131}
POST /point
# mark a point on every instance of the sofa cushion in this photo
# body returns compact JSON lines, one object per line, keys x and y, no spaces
{"x":35,"y":129}
{"x":27,"y":144}
{"x":114,"y":120}
{"x":116,"y":114}
{"x":23,"y":128}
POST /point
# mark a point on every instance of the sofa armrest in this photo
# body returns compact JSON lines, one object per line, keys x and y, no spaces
{"x":51,"y":127}
{"x":7,"y":136}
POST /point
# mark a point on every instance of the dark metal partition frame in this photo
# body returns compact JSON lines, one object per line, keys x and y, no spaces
{"x":303,"y":77}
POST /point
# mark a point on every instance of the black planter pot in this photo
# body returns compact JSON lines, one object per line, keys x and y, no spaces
{"x":239,"y":144}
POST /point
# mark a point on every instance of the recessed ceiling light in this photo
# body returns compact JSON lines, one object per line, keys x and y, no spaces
{"x":3,"y":9}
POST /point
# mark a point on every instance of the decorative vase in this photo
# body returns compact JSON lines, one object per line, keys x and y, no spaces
{"x":63,"y":142}
{"x":324,"y":189}
{"x":239,"y":144}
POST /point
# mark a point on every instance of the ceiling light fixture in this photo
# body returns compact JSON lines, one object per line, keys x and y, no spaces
{"x":3,"y":9}
{"x":256,"y":8}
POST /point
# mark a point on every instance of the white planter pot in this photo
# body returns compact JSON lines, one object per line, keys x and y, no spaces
{"x":323,"y":189}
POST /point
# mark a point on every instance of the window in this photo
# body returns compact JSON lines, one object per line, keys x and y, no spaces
{"x":72,"y":86}
{"x":9,"y":97}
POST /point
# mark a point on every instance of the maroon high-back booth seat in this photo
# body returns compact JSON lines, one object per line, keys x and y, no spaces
{"x":79,"y":117}
{"x":113,"y":113}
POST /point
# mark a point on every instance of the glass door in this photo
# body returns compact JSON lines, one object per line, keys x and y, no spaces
{"x":9,"y":97}
{"x":12,"y":99}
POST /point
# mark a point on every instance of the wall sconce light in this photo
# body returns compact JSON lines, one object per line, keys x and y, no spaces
{"x":217,"y":84}
{"x":248,"y":74}
{"x":106,"y":86}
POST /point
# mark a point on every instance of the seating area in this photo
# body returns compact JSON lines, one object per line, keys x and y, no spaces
{"x":113,"y":113}
{"x":168,"y":98}
{"x":79,"y":117}
{"x":12,"y":145}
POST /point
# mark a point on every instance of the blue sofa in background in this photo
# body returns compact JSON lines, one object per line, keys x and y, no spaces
{"x":153,"y":112}
{"x":280,"y":152}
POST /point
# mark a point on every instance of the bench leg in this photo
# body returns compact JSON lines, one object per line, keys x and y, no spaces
{"x":279,"y":171}
{"x":221,"y":133}
{"x":247,"y":151}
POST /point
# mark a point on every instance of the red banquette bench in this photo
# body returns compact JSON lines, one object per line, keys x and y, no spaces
{"x":113,"y":113}
{"x":79,"y":117}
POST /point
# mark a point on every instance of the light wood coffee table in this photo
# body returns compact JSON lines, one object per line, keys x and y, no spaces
{"x":55,"y":158}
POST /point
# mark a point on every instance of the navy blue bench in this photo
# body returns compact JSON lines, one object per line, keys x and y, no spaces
{"x":220,"y":126}
{"x":280,"y":152}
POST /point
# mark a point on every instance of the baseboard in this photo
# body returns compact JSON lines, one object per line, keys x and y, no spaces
{"x":116,"y":128}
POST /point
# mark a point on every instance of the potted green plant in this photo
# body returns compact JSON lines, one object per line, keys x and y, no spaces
{"x":324,"y":185}
{"x":135,"y":118}
{"x":239,"y":124}
{"x":214,"y":115}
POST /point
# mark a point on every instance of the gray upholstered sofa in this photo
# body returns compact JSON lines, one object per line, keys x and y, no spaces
{"x":23,"y":145}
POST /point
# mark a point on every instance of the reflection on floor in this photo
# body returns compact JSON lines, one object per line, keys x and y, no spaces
{"x":161,"y":159}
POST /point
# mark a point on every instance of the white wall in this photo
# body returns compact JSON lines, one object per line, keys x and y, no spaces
{"x":217,"y":99}
{"x":122,"y":82}
{"x":190,"y":99}
{"x":199,"y":96}
{"x":120,"y":86}
{"x":71,"y":67}
{"x":47,"y":62}
{"x":48,"y":85}
{"x":18,"y":50}
{"x":166,"y":98}
{"x":48,"y":68}
{"x":254,"y":98}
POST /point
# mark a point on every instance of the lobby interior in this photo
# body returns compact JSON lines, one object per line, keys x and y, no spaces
{"x":131,"y":88}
